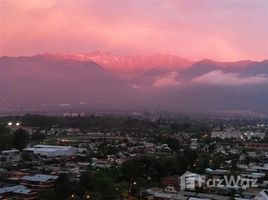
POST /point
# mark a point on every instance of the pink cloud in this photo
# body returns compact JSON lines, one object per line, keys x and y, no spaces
{"x":137,"y":86}
{"x":194,"y":30}
{"x":167,"y":81}
{"x":218,"y":77}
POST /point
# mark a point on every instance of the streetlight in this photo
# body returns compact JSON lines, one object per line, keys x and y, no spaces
{"x":87,"y":195}
{"x":130,"y":184}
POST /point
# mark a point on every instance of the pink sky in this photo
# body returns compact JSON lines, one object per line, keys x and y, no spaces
{"x":195,"y":29}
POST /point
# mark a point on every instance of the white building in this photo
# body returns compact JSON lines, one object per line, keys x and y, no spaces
{"x":250,"y":135}
{"x":10,"y":156}
{"x":227,"y":133}
{"x":52,"y":150}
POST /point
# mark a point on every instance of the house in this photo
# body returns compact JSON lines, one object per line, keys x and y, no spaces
{"x":194,"y":143}
{"x":257,"y":146}
{"x":171,"y":196}
{"x":10,"y":156}
{"x":15,"y":176}
{"x":260,"y":169}
{"x":38,"y":181}
{"x":250,"y":135}
{"x":263,"y":195}
{"x":18,"y":192}
{"x":227,"y":133}
{"x":100,"y":163}
{"x":171,"y":181}
{"x":212,"y":196}
{"x":158,"y":194}
{"x":168,"y":193}
{"x":217,"y":171}
{"x":170,"y":189}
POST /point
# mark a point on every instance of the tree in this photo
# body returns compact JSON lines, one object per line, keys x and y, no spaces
{"x":86,"y":180}
{"x":6,"y":141}
{"x":100,"y":185}
{"x":4,"y":129}
{"x":104,"y":188}
{"x":26,"y":157}
{"x":20,"y":139}
{"x":38,"y":136}
{"x":48,"y":195}
{"x":173,"y":143}
{"x":63,"y":189}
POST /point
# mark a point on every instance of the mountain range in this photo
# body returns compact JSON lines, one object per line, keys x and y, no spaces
{"x":156,"y":82}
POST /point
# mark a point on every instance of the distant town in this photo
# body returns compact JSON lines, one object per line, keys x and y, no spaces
{"x":132,"y":157}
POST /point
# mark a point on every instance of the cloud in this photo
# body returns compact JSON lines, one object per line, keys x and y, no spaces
{"x":126,"y":27}
{"x":221,"y":78}
{"x":137,"y":86}
{"x":167,"y":81}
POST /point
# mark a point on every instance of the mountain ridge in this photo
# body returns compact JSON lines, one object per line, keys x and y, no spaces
{"x":49,"y":79}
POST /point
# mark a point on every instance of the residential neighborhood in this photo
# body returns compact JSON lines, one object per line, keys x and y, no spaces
{"x":227,"y":162}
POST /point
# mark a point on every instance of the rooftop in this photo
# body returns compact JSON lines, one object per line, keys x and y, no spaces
{"x":39,"y":178}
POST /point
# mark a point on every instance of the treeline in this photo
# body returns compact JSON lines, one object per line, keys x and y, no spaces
{"x":110,"y":123}
{"x":9,"y":140}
